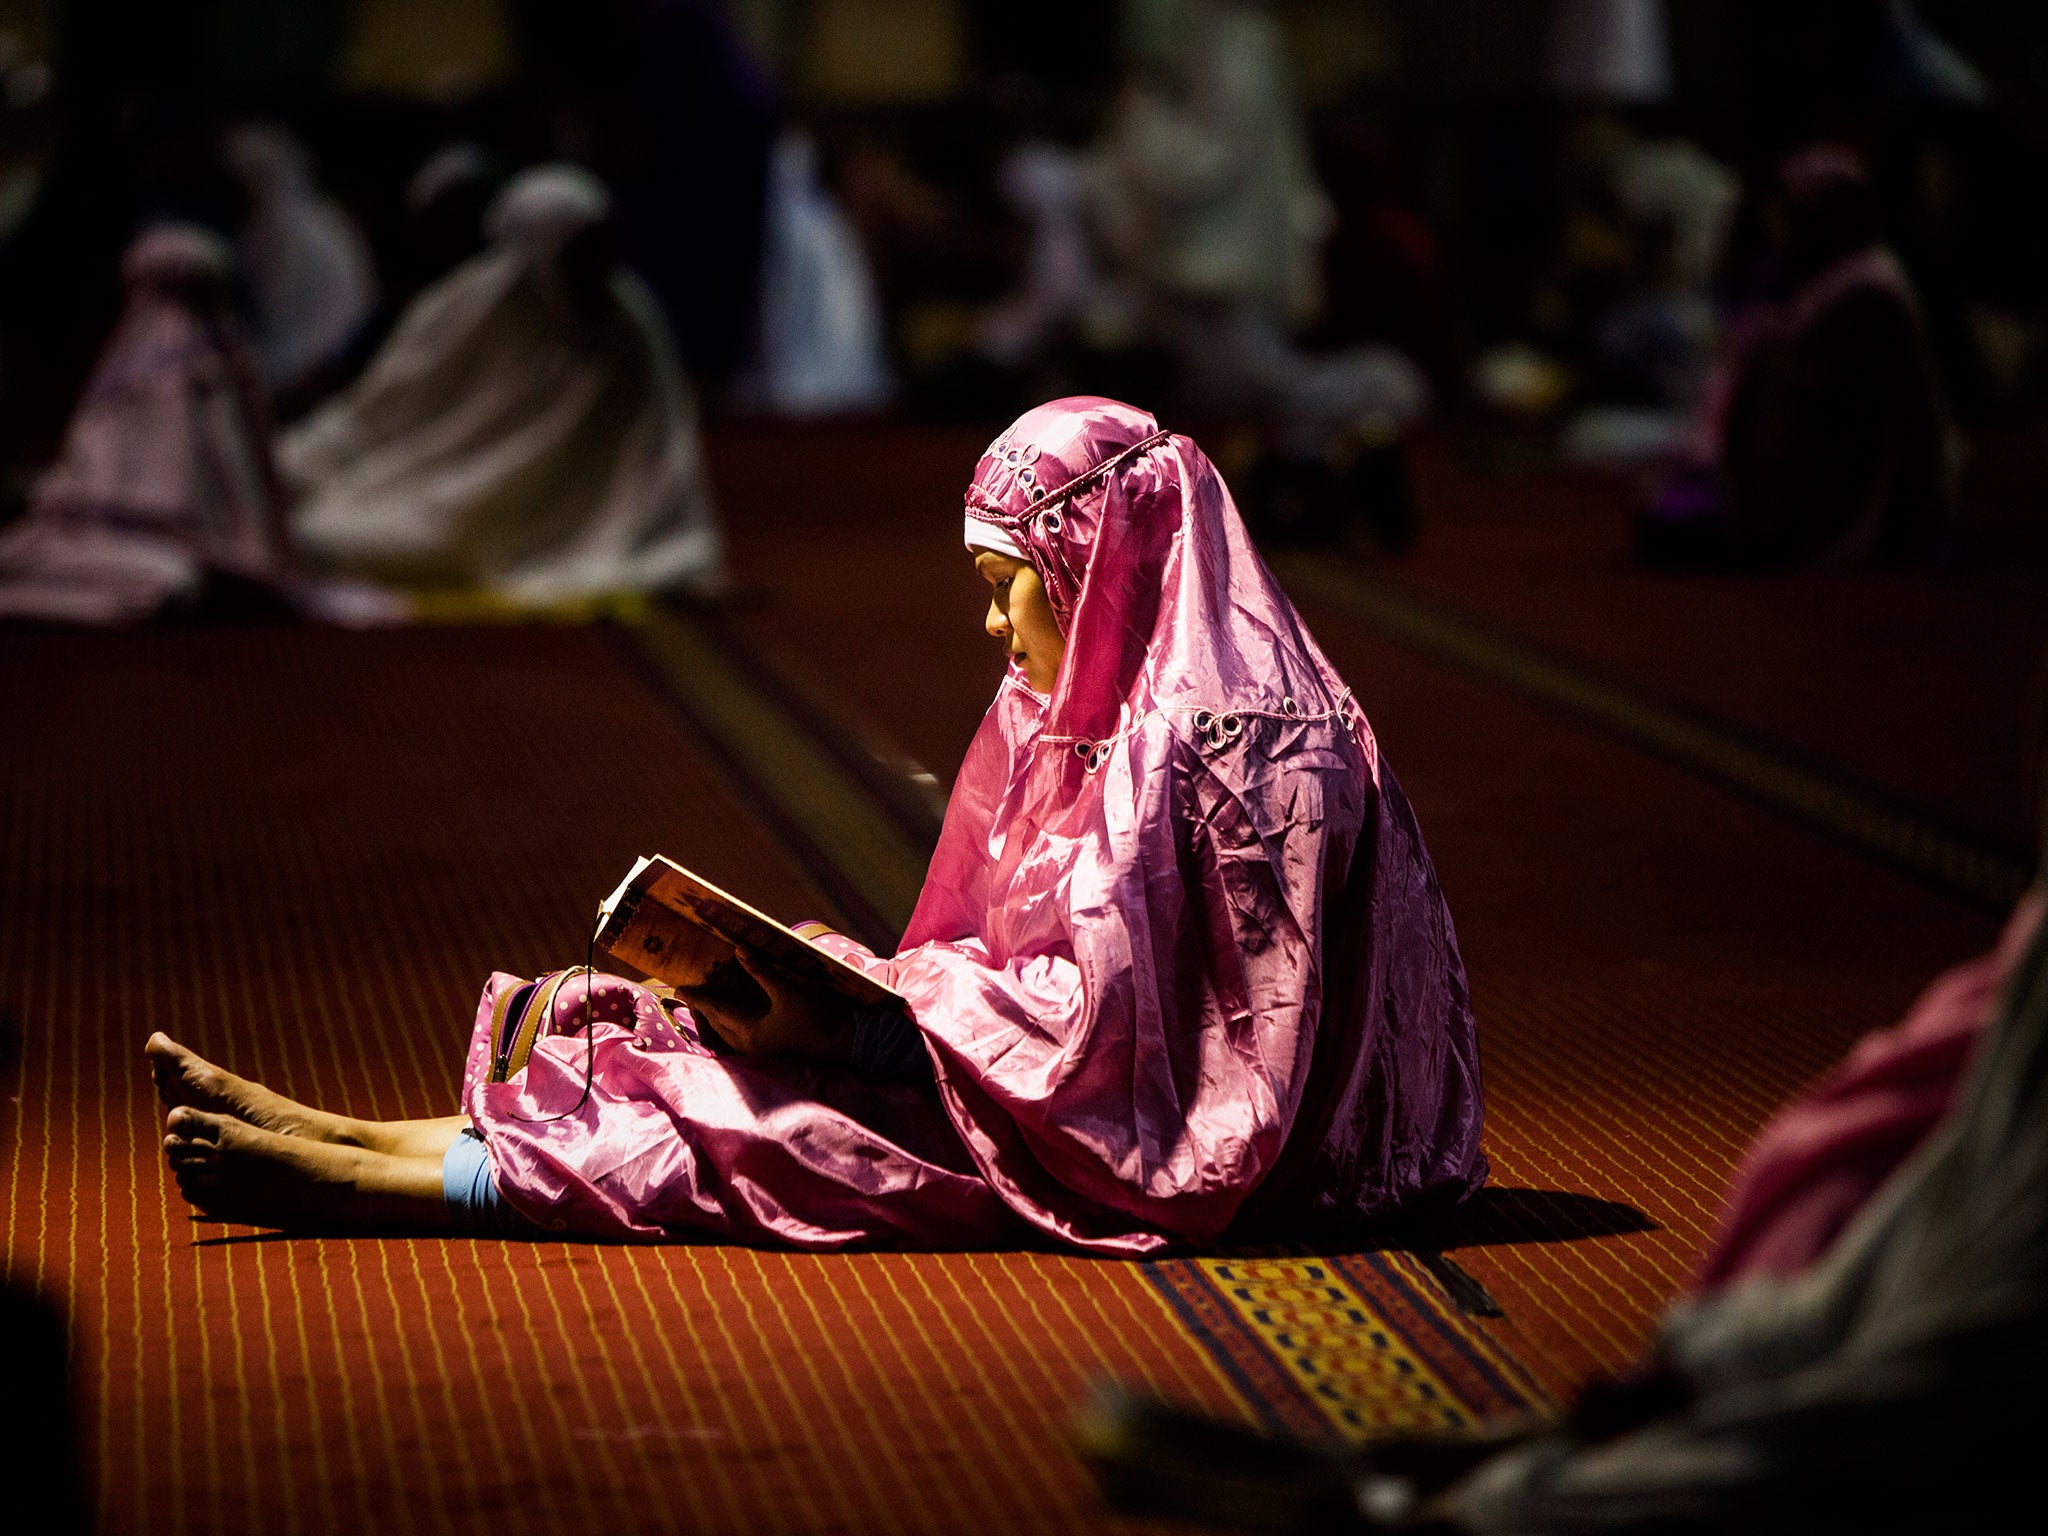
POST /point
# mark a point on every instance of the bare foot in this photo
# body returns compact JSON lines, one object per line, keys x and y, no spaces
{"x":231,"y":1170}
{"x":185,"y":1079}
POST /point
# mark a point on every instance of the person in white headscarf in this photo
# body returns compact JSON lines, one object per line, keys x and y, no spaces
{"x":525,"y":430}
{"x":164,"y":486}
{"x":310,"y":271}
{"x":1210,"y":205}
{"x":820,"y":348}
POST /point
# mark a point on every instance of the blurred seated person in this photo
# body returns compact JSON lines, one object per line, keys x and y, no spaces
{"x":525,"y":430}
{"x":309,"y":269}
{"x":1210,"y":208}
{"x":1045,"y":186}
{"x":163,"y":493}
{"x":1821,"y":435}
{"x":820,"y":344}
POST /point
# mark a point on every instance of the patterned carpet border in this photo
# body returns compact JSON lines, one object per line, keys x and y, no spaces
{"x":1360,"y":1346}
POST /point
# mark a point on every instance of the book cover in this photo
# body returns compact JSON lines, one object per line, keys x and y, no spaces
{"x":679,"y":928}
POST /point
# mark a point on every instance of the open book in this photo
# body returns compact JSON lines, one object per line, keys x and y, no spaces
{"x":681,"y":929}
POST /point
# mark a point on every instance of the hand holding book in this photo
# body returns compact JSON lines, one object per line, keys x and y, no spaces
{"x":800,"y":1020}
{"x":758,"y":987}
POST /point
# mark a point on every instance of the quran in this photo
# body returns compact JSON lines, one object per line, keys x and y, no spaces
{"x":679,"y":928}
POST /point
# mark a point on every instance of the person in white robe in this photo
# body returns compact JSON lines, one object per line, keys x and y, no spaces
{"x":1209,"y":203}
{"x":525,"y":430}
{"x":821,"y":347}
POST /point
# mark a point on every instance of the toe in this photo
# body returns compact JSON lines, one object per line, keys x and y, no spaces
{"x":194,"y":1124}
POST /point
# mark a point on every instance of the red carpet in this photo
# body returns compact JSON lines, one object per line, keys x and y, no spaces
{"x":301,"y":852}
{"x":1928,"y":685}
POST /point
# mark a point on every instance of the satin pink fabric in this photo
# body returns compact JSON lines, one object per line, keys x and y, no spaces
{"x":1181,"y":961}
{"x":1821,"y":1157}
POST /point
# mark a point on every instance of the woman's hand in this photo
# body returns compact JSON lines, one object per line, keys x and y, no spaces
{"x":803,"y":1022}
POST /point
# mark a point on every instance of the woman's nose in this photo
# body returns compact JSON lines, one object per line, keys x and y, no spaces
{"x":997,"y":623}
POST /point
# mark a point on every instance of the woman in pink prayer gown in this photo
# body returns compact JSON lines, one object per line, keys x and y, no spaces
{"x":1181,"y":970}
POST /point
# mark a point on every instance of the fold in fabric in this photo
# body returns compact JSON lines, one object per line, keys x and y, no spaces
{"x":1181,"y":961}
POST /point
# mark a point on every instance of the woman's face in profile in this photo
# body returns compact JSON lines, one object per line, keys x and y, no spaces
{"x":1021,"y":617}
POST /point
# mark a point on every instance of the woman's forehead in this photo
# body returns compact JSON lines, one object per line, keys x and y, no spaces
{"x":993,"y":560}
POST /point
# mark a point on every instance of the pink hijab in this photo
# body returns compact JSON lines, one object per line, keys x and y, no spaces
{"x":1181,"y":962}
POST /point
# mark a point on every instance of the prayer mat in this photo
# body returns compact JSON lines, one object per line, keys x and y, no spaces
{"x":1365,"y":1345}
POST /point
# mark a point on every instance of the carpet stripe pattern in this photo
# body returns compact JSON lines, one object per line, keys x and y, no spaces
{"x":1759,"y":772}
{"x":302,"y":856}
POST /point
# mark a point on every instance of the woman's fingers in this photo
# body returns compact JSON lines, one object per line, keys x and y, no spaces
{"x":732,"y":1029}
{"x":772,"y":981}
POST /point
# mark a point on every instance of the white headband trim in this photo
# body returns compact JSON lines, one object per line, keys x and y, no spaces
{"x":981,"y":535}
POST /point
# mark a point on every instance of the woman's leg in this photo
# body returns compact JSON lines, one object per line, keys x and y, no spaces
{"x":186,"y":1080}
{"x":232,"y":1170}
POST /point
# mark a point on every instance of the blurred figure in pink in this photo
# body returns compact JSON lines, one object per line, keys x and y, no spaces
{"x":1822,"y":432}
{"x":164,"y":489}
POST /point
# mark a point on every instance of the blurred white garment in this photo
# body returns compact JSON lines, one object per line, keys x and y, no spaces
{"x":1611,"y":50}
{"x":1678,"y":184}
{"x":821,"y":346}
{"x":1623,"y":436}
{"x":1883,"y":1389}
{"x":309,"y":269}
{"x":1243,"y":363}
{"x":1209,"y":203}
{"x":164,"y":473}
{"x":525,"y":430}
{"x":1046,"y":187}
{"x":1209,"y":190}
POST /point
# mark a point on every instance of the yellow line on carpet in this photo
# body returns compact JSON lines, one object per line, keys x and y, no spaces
{"x":1713,"y":752}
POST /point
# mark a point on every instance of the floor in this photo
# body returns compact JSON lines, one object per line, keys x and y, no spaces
{"x":304,"y":851}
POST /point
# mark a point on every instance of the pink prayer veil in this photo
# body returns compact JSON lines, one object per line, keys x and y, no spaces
{"x":1181,"y":957}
